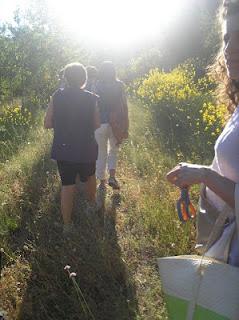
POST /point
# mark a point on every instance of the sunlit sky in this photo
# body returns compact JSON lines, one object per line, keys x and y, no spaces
{"x":113,"y":22}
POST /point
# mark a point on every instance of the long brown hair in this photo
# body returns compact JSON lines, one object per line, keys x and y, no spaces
{"x":226,"y":91}
{"x":107,"y":72}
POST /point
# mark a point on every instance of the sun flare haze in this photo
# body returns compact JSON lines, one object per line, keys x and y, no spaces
{"x":111,"y":23}
{"x":116,"y":23}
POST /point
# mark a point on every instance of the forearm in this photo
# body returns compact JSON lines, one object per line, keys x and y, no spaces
{"x":221,"y":186}
{"x":127,"y":116}
{"x":48,"y":124}
{"x":125,"y":109}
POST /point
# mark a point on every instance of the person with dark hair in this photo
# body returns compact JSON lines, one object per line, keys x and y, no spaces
{"x":92,"y":74}
{"x":221,"y":179}
{"x":114,"y":122}
{"x":73,"y":115}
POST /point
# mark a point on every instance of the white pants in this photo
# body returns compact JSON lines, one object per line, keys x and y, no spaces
{"x":104,"y":136}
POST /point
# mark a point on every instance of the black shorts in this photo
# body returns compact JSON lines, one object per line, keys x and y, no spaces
{"x":69,"y":170}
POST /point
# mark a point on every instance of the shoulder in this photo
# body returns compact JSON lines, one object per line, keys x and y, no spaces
{"x":56,"y":97}
{"x":120,"y":84}
{"x":90,"y":95}
{"x":58,"y":92}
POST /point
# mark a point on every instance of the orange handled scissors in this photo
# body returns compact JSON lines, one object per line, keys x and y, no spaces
{"x":185,"y":208}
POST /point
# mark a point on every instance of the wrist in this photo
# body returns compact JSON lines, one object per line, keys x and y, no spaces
{"x":205,"y":174}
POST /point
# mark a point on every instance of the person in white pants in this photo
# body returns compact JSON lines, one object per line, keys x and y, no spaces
{"x":107,"y":154}
{"x":114,"y":122}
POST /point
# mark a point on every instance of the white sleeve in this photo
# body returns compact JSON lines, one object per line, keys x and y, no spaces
{"x":237,"y":205}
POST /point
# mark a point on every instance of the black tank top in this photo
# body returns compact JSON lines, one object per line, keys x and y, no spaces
{"x":73,"y":122}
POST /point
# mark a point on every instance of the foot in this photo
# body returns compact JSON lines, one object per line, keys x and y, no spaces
{"x":113,"y":183}
{"x":102,"y":186}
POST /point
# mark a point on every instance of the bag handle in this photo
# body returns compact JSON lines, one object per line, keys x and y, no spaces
{"x":213,"y":236}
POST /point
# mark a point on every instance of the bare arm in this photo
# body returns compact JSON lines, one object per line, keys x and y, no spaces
{"x":125,"y":104}
{"x":48,"y":121}
{"x":222,"y":186}
{"x":187,"y":174}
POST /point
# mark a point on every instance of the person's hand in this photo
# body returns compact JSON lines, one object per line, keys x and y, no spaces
{"x":187,"y":174}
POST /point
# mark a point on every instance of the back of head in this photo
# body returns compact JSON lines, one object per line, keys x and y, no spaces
{"x":92,"y":72}
{"x":107,"y":72}
{"x":75,"y":74}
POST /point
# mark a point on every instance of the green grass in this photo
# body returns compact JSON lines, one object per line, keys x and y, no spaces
{"x":151,"y":226}
{"x":19,"y":174}
{"x":114,"y":251}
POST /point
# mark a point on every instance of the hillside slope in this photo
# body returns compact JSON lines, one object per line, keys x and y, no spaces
{"x":114,"y":252}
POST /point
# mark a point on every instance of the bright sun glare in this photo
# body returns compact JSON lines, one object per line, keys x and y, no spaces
{"x":116,"y":23}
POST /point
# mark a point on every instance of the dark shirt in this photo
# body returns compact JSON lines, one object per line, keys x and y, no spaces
{"x":110,"y":95}
{"x":90,"y":86}
{"x":73,"y":123}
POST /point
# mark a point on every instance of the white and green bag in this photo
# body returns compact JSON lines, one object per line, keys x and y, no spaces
{"x":200,"y":287}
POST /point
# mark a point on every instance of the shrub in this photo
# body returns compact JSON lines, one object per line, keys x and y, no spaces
{"x":185,"y":116}
{"x":13,"y":119}
{"x":15,"y":122}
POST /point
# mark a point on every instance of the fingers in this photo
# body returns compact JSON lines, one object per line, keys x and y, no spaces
{"x":185,"y":175}
{"x":177,"y":176}
{"x":172,"y":175}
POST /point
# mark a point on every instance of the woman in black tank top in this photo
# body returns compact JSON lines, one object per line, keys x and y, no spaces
{"x":73,"y":115}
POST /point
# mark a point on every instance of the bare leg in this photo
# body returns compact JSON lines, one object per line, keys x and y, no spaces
{"x":112,"y":172}
{"x":90,"y":188}
{"x":67,"y":200}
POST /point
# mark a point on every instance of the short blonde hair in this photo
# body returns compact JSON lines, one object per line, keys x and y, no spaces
{"x":75,"y":74}
{"x":92,"y":72}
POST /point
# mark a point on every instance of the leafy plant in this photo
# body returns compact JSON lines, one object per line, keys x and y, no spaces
{"x":183,"y":109}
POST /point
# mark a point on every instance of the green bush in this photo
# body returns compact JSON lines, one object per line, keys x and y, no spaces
{"x":13,"y":119}
{"x":15,"y":122}
{"x":184,"y":113}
